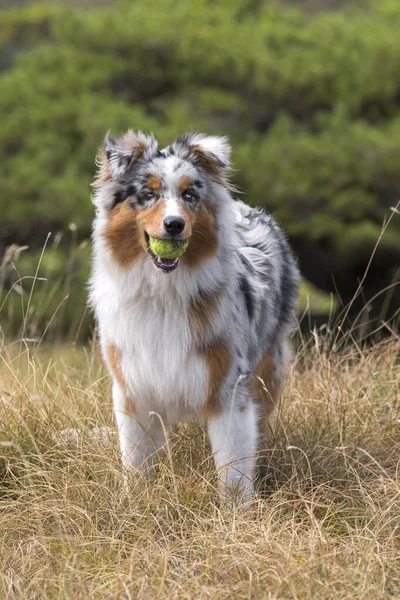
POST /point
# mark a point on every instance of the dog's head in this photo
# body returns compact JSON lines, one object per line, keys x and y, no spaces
{"x":165,"y":194}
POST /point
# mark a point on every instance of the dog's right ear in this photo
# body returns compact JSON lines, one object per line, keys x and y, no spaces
{"x":117,"y":157}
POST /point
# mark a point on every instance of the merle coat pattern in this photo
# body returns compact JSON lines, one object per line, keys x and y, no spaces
{"x":206,"y":334}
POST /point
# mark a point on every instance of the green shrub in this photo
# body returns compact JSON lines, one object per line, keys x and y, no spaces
{"x":310,"y":102}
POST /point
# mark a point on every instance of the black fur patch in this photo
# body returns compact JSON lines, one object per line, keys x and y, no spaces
{"x":248,"y":296}
{"x":123,"y":194}
{"x":119,"y":197}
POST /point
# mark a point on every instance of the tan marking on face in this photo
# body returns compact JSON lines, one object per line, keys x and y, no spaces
{"x":267,"y":388}
{"x":151,"y":220}
{"x":201,"y":314}
{"x":218,"y":360}
{"x":124,"y":235}
{"x":185,"y":183}
{"x":154,"y":183}
{"x":203,"y":242}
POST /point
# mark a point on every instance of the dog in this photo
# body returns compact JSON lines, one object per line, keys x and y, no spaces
{"x":205,"y":334}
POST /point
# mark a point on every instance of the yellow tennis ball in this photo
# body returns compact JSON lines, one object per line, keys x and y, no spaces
{"x":167,"y":248}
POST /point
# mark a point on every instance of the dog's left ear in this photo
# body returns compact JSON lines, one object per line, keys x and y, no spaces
{"x":211,"y":153}
{"x":118,"y":156}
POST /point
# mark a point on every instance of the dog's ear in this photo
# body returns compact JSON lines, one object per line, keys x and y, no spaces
{"x":211,"y":153}
{"x":116,"y":157}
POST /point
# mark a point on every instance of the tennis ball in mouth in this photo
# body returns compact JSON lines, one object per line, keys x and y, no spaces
{"x":167,"y":248}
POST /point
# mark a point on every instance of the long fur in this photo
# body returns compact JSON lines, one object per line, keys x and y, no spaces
{"x":210,"y":338}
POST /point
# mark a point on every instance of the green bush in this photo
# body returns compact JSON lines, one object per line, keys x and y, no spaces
{"x":310,"y":102}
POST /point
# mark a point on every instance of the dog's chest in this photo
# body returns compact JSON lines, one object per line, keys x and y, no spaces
{"x":159,"y":362}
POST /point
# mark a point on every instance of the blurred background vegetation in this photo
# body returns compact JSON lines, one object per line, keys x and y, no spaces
{"x":308,"y":92}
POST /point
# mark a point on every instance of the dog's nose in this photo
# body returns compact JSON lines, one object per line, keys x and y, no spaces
{"x":174,"y":225}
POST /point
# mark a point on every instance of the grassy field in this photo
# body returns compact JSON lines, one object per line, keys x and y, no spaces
{"x":327,"y":525}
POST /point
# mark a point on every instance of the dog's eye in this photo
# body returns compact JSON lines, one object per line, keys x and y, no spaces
{"x":189,"y":195}
{"x":148,"y":195}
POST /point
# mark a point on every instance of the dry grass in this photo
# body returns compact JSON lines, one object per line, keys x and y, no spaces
{"x":326,"y":527}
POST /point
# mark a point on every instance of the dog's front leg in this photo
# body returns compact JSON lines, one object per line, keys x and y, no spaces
{"x":233,"y":435}
{"x":141,"y":435}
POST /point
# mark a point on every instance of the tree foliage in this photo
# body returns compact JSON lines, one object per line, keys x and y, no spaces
{"x":310,"y":102}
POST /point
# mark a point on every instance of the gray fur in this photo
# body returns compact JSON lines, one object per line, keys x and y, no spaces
{"x":253,"y":273}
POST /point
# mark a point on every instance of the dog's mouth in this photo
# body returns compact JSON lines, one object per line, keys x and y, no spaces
{"x":164,"y":264}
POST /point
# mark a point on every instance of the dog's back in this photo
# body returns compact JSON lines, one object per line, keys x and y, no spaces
{"x":269,"y":284}
{"x":206,"y":333}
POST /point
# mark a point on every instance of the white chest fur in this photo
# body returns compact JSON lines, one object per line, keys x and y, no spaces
{"x":159,"y":364}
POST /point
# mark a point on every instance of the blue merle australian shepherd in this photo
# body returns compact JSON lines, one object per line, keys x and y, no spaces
{"x":206,"y":334}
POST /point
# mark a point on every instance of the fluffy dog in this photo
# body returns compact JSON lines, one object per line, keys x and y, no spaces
{"x":206,"y":334}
